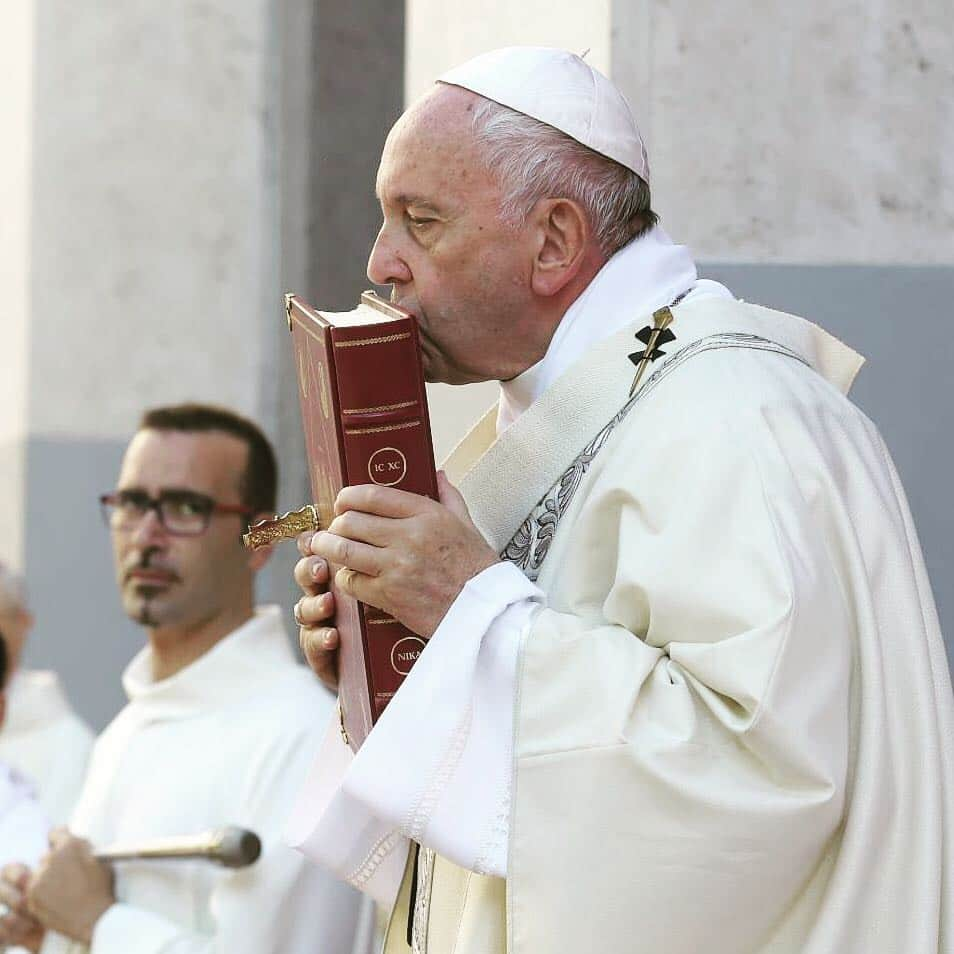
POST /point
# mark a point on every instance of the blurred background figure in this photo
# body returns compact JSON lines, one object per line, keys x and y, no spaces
{"x":23,"y":825}
{"x":220,"y":727}
{"x":42,"y":737}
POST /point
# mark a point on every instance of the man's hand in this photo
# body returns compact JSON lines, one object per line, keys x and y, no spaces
{"x":18,"y":928}
{"x":405,"y":554}
{"x":70,"y":889}
{"x":319,"y":643}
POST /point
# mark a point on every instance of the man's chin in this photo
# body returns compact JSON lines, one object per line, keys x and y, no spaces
{"x":148,"y":605}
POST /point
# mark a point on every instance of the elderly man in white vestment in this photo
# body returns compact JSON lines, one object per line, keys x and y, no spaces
{"x":684,"y":689}
{"x":219,"y":729}
{"x":43,"y":738}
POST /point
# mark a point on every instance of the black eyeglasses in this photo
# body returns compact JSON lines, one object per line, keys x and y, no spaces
{"x":181,"y":512}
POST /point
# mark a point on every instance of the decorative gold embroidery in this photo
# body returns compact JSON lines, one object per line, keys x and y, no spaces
{"x":383,"y":428}
{"x":378,"y":410}
{"x":386,"y":339}
{"x":422,"y":901}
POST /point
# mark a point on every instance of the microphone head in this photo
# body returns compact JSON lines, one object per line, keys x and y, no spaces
{"x":236,"y":847}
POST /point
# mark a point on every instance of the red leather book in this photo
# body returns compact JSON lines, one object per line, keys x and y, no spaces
{"x":364,"y":412}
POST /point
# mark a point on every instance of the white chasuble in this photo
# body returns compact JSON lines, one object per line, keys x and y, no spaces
{"x":733,"y":724}
{"x":732,"y":717}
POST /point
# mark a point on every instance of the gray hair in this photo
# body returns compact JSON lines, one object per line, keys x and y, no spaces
{"x":533,"y":161}
{"x":13,"y":594}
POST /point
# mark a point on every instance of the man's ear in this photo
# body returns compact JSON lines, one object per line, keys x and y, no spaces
{"x":563,"y":235}
{"x":258,"y":558}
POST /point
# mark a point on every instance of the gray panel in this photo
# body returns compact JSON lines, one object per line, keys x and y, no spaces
{"x":355,"y":83}
{"x":899,"y":318}
{"x":358,"y":92}
{"x":81,"y":629}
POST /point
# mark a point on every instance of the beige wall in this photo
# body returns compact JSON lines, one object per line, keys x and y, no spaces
{"x":16,"y":74}
{"x":442,"y":34}
{"x":810,"y":132}
{"x":154,"y":209}
{"x":777,"y":132}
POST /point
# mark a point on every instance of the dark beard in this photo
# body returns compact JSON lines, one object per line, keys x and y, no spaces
{"x":146,"y":617}
{"x":145,"y":614}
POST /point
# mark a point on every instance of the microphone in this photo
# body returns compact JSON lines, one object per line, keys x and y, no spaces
{"x":230,"y":847}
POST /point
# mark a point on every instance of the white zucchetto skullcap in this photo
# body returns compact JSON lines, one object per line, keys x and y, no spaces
{"x":557,"y":88}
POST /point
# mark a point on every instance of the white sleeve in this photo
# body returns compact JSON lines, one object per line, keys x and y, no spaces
{"x":282,"y":905}
{"x":437,"y":767}
{"x":445,"y":742}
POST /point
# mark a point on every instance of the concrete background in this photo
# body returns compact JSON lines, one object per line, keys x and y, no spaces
{"x":169,"y":170}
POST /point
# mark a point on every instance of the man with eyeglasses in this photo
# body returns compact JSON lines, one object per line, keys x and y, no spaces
{"x":221,"y":724}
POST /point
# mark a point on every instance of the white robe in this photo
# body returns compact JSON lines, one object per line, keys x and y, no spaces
{"x":224,"y":741}
{"x":23,"y":823}
{"x":472,"y":662}
{"x":46,"y":740}
{"x":733,"y":716}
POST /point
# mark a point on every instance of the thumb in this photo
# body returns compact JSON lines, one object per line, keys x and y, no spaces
{"x":450,"y":497}
{"x":58,"y":836}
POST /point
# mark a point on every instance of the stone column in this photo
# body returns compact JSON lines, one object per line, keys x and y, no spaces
{"x":16,"y":75}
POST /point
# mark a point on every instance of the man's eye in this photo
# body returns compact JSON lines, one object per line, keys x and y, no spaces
{"x":418,"y":221}
{"x":184,"y":508}
{"x":132,"y":501}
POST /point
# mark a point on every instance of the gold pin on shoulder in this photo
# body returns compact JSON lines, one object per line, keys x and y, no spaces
{"x":285,"y":527}
{"x":652,"y":336}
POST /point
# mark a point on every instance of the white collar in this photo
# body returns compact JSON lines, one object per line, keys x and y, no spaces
{"x":36,"y":699}
{"x":646,"y":274}
{"x":233,"y":669}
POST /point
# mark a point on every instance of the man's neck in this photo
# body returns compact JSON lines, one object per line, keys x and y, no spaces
{"x":175,"y":647}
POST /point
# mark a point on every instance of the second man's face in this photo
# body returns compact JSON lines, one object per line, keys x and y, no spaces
{"x":181,"y":581}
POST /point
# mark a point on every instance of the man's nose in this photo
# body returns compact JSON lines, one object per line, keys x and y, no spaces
{"x":385,"y":265}
{"x":149,"y":531}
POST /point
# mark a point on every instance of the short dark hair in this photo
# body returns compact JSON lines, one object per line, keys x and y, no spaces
{"x":258,"y":485}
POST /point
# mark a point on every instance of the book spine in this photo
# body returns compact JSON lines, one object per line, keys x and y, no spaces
{"x":321,"y":418}
{"x":385,"y":435}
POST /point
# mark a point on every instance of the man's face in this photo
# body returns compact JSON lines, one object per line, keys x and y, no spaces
{"x":182,"y":581}
{"x":461,"y":270}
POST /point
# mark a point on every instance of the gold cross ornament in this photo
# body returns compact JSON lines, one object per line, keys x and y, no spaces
{"x":652,"y":337}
